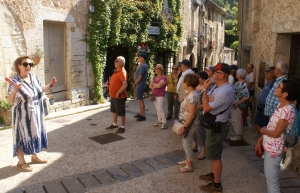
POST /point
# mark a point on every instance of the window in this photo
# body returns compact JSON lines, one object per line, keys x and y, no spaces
{"x":169,"y":59}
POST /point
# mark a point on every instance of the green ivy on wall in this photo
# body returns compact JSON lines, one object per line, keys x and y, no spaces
{"x":126,"y":23}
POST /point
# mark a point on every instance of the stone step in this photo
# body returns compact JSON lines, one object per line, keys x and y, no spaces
{"x":84,"y":182}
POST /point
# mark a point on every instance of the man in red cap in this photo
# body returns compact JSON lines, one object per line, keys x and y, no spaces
{"x":220,"y":106}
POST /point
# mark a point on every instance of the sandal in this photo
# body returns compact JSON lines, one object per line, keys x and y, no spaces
{"x":185,"y":169}
{"x":38,"y":161}
{"x":24,"y":169}
{"x":201,"y":156}
{"x":183,"y":163}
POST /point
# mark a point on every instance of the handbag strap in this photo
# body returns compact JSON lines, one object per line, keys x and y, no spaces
{"x":223,"y":111}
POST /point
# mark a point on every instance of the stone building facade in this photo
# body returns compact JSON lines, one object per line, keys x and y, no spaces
{"x":59,"y":28}
{"x":203,"y":38}
{"x":269,"y":32}
{"x":213,"y":31}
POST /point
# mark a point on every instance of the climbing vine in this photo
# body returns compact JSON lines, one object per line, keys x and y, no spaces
{"x":126,"y":23}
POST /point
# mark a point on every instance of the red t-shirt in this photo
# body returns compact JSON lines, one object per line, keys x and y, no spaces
{"x":116,"y":83}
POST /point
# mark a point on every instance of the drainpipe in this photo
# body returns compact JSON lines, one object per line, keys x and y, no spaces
{"x":241,"y":34}
{"x":86,"y":58}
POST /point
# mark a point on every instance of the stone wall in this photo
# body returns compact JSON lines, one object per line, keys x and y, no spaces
{"x":266,"y":30}
{"x":21,"y":32}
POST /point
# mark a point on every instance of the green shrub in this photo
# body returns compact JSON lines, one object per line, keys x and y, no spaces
{"x":4,"y":105}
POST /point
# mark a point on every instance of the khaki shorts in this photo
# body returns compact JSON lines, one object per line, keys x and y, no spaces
{"x":214,"y":142}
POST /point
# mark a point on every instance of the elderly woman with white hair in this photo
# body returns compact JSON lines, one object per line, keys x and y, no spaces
{"x":241,"y":96}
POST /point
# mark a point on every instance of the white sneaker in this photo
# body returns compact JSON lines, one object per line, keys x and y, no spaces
{"x":236,"y":138}
{"x":163,"y":126}
{"x":157,"y":124}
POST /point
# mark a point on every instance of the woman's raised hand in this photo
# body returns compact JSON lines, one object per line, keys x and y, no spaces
{"x":52,"y":82}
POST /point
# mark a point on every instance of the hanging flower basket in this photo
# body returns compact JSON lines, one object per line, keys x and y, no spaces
{"x":37,"y":56}
{"x":36,"y":60}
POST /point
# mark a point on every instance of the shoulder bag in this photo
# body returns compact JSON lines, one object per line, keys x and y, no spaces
{"x":208,"y":119}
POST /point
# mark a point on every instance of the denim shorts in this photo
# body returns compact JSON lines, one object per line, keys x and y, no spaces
{"x":139,"y":93}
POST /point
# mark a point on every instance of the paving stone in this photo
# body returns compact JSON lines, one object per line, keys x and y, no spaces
{"x":162,"y":159}
{"x":131,"y":170}
{"x":54,"y":187}
{"x":118,"y":174}
{"x":73,"y":185}
{"x":16,"y":191}
{"x":37,"y":188}
{"x":153,"y":163}
{"x":288,"y":174}
{"x":290,"y":190}
{"x":180,"y":153}
{"x":253,"y":158}
{"x":288,"y":183}
{"x":173,"y":157}
{"x":248,"y":152}
{"x":143,"y":166}
{"x":104,"y":177}
{"x":88,"y":180}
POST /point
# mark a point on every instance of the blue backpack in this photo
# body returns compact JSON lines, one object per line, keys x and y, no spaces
{"x":291,"y":138}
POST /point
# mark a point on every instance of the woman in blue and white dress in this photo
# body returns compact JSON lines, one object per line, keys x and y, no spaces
{"x":28,"y":116}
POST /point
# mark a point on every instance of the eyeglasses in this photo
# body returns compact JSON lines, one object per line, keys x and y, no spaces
{"x":25,"y":64}
{"x":174,"y":68}
{"x":279,"y":87}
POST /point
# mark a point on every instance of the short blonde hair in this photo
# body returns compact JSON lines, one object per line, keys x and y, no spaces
{"x":18,"y":62}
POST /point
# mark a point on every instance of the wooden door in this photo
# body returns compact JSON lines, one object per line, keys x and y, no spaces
{"x":54,"y":46}
{"x":294,"y":66}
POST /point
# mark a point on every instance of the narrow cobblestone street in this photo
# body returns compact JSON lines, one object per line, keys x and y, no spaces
{"x":145,"y":161}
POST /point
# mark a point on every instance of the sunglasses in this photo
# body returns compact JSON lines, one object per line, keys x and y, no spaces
{"x":25,"y":64}
{"x":174,"y":68}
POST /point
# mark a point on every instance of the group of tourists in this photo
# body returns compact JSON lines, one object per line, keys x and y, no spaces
{"x":193,"y":97}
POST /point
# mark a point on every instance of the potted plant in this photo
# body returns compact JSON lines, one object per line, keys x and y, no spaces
{"x":5,"y":112}
{"x":37,"y":55}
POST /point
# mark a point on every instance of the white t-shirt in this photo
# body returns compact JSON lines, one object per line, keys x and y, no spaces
{"x":231,"y":79}
{"x":250,"y":78}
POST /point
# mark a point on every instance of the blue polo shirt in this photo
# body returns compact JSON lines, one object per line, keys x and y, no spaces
{"x":223,"y":98}
{"x":264,"y":92}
